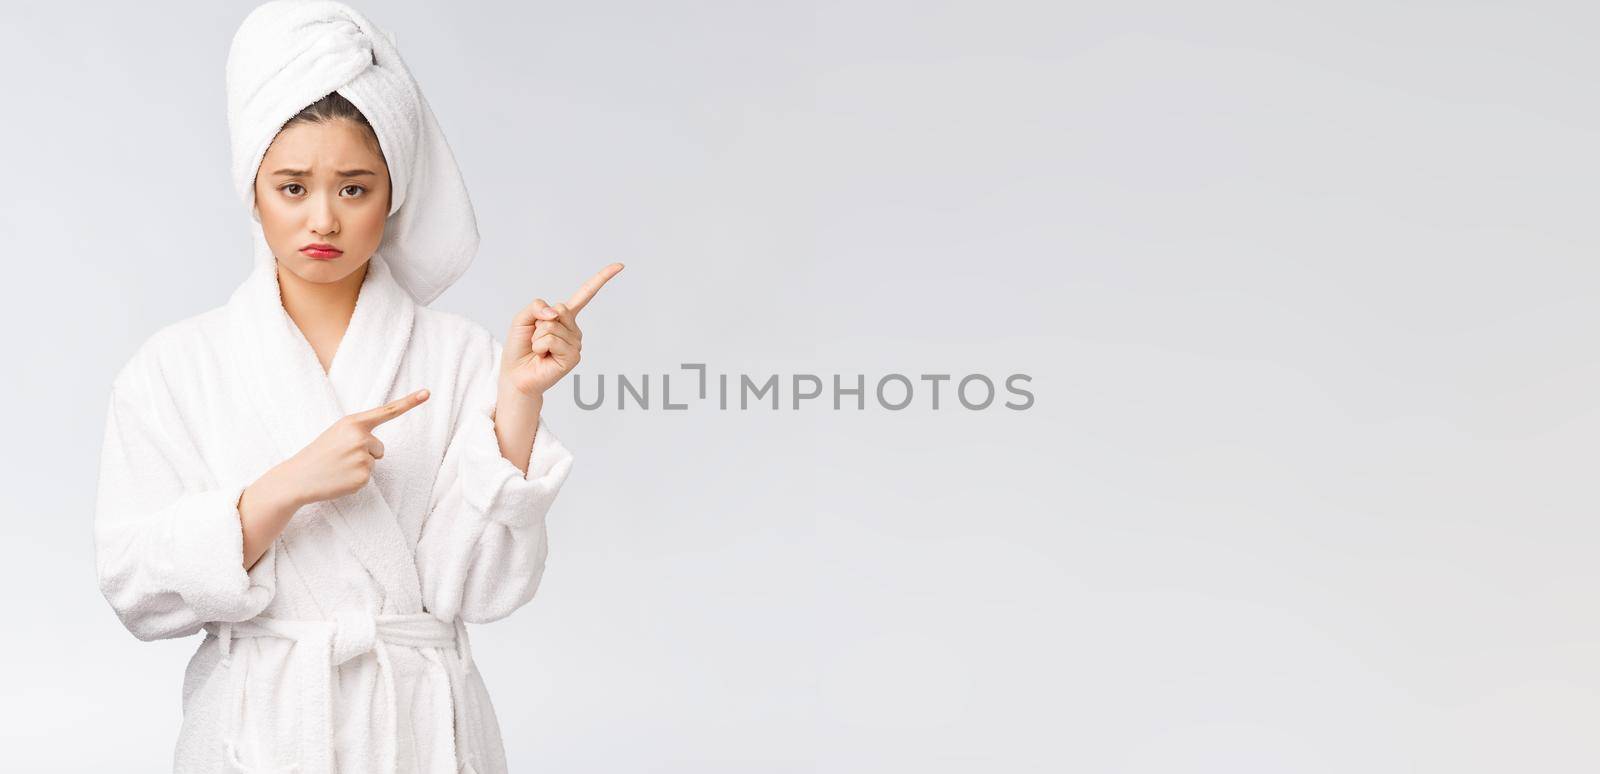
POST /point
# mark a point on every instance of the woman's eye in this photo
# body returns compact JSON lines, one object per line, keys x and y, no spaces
{"x":289,"y":186}
{"x":357,"y":187}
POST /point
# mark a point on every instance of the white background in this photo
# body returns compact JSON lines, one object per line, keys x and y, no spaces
{"x":1307,"y":292}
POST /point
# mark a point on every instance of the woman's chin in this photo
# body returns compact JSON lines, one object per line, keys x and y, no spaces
{"x":324,"y":270}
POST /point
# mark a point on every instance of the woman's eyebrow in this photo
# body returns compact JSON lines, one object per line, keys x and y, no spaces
{"x":341,"y":173}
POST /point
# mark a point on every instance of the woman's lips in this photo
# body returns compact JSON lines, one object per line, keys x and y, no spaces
{"x":321,"y":255}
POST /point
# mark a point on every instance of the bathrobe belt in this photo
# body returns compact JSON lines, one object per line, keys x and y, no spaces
{"x":320,"y":646}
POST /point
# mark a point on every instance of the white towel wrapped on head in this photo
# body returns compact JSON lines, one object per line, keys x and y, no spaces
{"x":286,"y":55}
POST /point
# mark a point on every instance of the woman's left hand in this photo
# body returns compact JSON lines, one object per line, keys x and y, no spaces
{"x":545,"y":341}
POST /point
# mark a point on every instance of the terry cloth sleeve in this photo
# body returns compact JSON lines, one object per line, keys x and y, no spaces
{"x":483,"y":546}
{"x":169,"y":548}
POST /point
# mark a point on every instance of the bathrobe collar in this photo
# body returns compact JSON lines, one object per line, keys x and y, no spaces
{"x":297,"y":401}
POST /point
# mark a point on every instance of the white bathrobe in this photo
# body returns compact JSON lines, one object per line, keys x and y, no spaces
{"x":343,"y":648}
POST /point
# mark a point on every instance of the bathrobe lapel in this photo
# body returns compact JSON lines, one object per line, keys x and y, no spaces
{"x":296,"y":401}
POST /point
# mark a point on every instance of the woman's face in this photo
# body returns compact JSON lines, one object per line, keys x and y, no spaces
{"x":323,"y":183}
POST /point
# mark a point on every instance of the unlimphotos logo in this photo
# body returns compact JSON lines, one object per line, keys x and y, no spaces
{"x":974,"y":392}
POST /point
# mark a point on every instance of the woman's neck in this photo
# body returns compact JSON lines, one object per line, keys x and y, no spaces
{"x":321,"y":311}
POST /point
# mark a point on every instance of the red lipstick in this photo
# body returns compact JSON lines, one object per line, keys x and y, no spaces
{"x":321,"y":251}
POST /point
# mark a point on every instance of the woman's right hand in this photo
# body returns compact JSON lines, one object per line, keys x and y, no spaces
{"x":337,"y":463}
{"x":340,"y":460}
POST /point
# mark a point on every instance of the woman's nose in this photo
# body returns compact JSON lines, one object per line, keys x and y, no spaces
{"x":322,"y":218}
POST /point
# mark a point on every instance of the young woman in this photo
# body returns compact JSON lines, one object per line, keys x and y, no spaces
{"x":324,"y":474}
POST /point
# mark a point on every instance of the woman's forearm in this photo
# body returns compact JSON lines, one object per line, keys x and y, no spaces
{"x":265,"y":508}
{"x":516,"y":421}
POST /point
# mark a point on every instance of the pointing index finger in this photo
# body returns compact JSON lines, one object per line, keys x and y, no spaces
{"x":585,"y":293}
{"x":373,"y":417}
